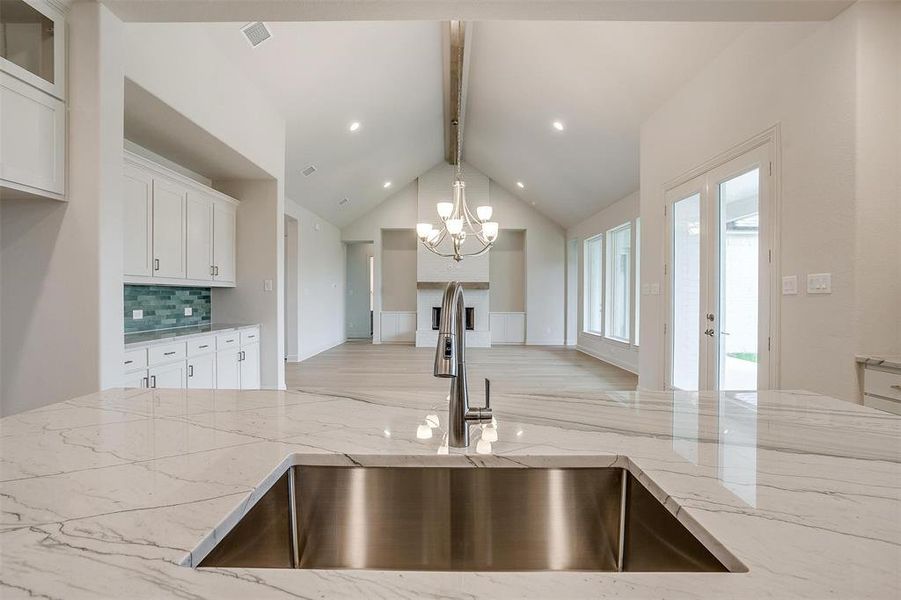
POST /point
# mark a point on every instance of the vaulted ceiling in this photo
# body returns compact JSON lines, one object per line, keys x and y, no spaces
{"x":600,"y":79}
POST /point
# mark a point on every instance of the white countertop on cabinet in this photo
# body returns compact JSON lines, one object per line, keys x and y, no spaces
{"x":165,"y":336}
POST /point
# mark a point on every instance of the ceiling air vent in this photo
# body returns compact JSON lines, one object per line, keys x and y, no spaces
{"x":256,"y":33}
{"x":309,"y":170}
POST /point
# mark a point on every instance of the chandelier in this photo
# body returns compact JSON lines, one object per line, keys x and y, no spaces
{"x":457,"y":220}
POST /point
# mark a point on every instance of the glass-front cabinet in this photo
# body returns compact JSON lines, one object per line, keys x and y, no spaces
{"x":32,"y":44}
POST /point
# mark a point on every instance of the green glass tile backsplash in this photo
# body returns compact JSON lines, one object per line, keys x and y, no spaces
{"x":164,"y":307}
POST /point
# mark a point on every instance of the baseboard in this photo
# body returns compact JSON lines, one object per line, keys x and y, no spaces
{"x":291,"y":358}
{"x":607,"y":359}
{"x":550,"y":342}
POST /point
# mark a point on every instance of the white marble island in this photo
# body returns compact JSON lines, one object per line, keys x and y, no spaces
{"x":106,"y":495}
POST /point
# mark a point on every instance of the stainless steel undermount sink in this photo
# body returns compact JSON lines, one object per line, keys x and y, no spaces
{"x":461,"y":519}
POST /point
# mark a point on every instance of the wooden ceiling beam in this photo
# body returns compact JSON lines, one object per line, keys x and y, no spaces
{"x":457,"y":38}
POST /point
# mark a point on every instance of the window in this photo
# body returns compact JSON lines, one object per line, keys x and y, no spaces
{"x":619,"y":282}
{"x":594,"y":309}
{"x":637,"y":278}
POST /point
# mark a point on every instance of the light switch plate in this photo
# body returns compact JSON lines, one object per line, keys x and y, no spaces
{"x":790,"y":285}
{"x":137,"y":314}
{"x":819,"y":283}
{"x":189,"y":311}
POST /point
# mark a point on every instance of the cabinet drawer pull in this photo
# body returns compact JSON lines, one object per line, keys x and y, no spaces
{"x":156,"y":264}
{"x":229,"y":341}
{"x":153,"y":381}
{"x":203,"y":346}
{"x":896,"y":386}
{"x":168,"y":353}
{"x":190,"y":370}
{"x":145,"y":382}
{"x":128,"y":362}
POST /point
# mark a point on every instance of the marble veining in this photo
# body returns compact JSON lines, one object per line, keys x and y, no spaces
{"x":109,"y":494}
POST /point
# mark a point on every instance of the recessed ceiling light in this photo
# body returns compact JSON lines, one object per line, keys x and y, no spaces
{"x":355,"y":126}
{"x":520,"y":185}
{"x":558,"y":125}
{"x":387,"y":185}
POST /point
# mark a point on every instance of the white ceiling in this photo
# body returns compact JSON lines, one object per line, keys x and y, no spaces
{"x":386,"y":75}
{"x":601,"y":79}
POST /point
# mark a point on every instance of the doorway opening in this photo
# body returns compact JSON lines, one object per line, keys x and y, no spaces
{"x":360,"y":290}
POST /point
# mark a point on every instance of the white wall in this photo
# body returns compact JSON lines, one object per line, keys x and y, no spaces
{"x":618,"y":213}
{"x":399,"y":247}
{"x":508,"y":272}
{"x":62,"y":262}
{"x":545,"y":265}
{"x":356,"y":311}
{"x":805,"y":78}
{"x":320,"y":281}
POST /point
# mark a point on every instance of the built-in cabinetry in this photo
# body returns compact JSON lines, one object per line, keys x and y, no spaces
{"x":507,"y":327}
{"x":32,"y":99}
{"x":398,"y":327}
{"x":176,"y":231}
{"x":225,"y":360}
{"x":882,"y":385}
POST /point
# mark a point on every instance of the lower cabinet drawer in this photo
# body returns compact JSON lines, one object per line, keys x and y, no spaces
{"x":166,"y":353}
{"x":250,"y":336}
{"x":228,"y":340}
{"x":882,"y":383}
{"x":135,"y":360}
{"x":200,"y":346}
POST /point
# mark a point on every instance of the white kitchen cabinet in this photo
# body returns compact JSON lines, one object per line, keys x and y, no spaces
{"x":250,"y":367}
{"x":32,"y":140}
{"x":137,"y":219}
{"x":172,"y":375}
{"x":168,"y":229}
{"x":202,"y":372}
{"x":224,"y":246}
{"x":33,"y":44}
{"x":177,"y":231}
{"x":199,"y":237}
{"x":228,"y":369}
{"x":137,"y":379}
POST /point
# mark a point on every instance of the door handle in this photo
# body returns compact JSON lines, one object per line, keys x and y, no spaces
{"x":708,"y":332}
{"x":710,"y":317}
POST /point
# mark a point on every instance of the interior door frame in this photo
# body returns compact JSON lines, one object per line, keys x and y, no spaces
{"x":770,"y":142}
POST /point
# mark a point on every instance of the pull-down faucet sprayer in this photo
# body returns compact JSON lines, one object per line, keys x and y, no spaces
{"x":450,"y":361}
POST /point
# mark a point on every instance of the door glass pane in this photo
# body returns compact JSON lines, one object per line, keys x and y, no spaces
{"x":619,"y":286}
{"x":739,"y":232}
{"x":686,"y":292}
{"x":26,"y":38}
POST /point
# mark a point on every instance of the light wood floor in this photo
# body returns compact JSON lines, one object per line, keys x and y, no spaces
{"x":361,"y":366}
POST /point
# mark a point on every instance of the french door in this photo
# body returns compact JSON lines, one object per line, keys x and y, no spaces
{"x":719,"y":253}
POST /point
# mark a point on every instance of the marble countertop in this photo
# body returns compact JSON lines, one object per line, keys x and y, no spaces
{"x":892,"y":361}
{"x":108,"y":494}
{"x":149,"y":338}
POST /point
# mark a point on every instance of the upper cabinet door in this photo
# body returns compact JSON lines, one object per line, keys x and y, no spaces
{"x":200,"y":236}
{"x":137,"y":220}
{"x":169,"y":201}
{"x":33,"y":44}
{"x":224,"y":242}
{"x":32,"y":139}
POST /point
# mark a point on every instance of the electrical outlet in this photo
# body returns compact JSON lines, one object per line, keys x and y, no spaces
{"x":189,"y":311}
{"x":267,"y":285}
{"x":655,"y":289}
{"x":137,"y":314}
